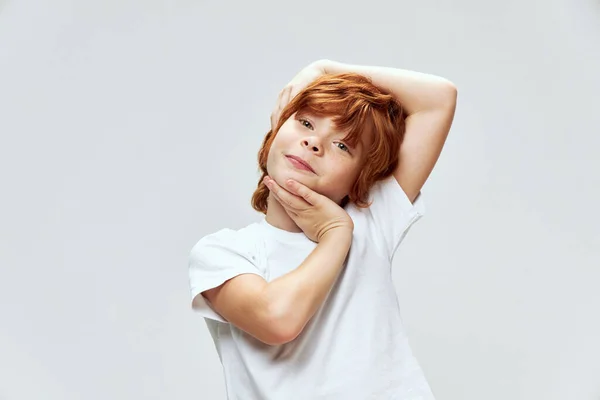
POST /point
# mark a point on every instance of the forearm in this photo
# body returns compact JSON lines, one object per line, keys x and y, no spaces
{"x":296,"y":296}
{"x":416,"y":91}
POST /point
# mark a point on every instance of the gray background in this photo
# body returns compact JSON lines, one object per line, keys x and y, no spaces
{"x":130,"y":130}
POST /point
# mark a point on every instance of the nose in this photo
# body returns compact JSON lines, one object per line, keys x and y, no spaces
{"x":312,"y":144}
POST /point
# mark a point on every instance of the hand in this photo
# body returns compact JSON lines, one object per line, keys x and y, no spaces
{"x":314,"y":213}
{"x":306,"y":76}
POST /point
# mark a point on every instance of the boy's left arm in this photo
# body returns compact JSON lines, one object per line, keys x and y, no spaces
{"x":429,"y":101}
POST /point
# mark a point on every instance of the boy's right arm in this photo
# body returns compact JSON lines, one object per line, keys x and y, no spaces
{"x":276,"y":312}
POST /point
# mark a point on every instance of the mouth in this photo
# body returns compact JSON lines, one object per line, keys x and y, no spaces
{"x":300,"y":163}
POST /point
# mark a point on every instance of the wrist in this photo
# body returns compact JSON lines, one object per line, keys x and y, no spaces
{"x":339,"y":235}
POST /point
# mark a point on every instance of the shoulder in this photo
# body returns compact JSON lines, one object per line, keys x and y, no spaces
{"x":228,"y":235}
{"x":388,"y":196}
{"x":390,"y":190}
{"x":389,"y":216}
{"x":226,"y":240}
{"x":223,"y":237}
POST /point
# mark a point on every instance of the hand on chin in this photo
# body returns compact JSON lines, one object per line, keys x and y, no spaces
{"x":282,"y":177}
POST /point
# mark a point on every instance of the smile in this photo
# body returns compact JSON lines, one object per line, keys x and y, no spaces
{"x":300,"y":163}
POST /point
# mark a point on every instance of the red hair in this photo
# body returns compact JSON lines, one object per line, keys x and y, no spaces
{"x":355,"y":106}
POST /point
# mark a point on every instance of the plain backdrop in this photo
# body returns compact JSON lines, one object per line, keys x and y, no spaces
{"x":130,"y":129}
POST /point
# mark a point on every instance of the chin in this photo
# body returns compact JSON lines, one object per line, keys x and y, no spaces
{"x":282,"y":176}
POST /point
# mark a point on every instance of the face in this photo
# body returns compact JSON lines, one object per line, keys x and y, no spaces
{"x":310,"y":150}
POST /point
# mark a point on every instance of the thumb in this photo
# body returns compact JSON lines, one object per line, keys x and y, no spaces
{"x":309,"y":195}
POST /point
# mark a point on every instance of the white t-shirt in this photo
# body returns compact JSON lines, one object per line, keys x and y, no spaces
{"x":355,"y":346}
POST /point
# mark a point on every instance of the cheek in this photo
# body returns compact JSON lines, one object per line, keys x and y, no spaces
{"x":274,"y":150}
{"x":340,"y":179}
{"x":276,"y":167}
{"x":271,"y":161}
{"x":345,"y":169}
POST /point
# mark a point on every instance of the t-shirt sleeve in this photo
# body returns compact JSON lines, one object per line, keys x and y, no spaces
{"x":392,"y":212}
{"x":215,"y":259}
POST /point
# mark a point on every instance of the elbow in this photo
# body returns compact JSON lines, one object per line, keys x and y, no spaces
{"x":278,"y":338}
{"x":266,"y":329}
{"x":276,"y":334}
{"x":442,"y":97}
{"x":445,"y":97}
{"x":450,"y":93}
{"x":281,"y":327}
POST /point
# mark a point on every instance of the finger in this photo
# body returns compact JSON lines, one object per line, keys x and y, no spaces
{"x":286,"y":198}
{"x":284,"y":203}
{"x":273,"y":120}
{"x":280,"y":96}
{"x":287,"y":96}
{"x":282,"y":100}
{"x":289,"y":211}
{"x":276,"y":110}
{"x":302,"y":191}
{"x":294,"y":92}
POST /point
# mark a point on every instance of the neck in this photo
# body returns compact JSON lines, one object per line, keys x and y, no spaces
{"x":279,"y":218}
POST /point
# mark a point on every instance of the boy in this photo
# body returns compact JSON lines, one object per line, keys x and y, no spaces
{"x":301,"y":305}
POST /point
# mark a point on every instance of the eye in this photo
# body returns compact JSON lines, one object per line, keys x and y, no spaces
{"x":343,"y":147}
{"x":306,"y":123}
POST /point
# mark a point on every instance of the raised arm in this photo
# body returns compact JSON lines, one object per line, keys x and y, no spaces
{"x":429,"y":102}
